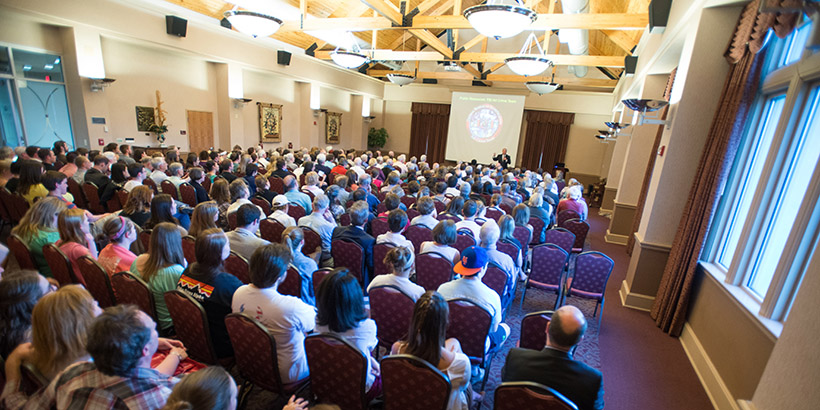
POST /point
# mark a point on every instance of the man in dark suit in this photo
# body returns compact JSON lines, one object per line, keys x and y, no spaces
{"x":281,"y":170}
{"x":97,"y":174}
{"x":502,"y":159}
{"x":225,"y":168}
{"x":554,"y":366}
{"x":355,"y":233}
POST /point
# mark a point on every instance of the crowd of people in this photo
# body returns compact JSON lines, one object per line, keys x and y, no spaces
{"x":111,"y":356}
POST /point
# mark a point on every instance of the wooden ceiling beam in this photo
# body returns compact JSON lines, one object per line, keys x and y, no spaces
{"x":386,"y":9}
{"x":501,"y":78}
{"x":557,"y":59}
{"x":621,"y":39}
{"x":472,"y":70}
{"x":431,"y":40}
{"x":474,"y":41}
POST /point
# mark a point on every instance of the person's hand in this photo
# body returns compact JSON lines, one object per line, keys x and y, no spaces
{"x":376,"y":369}
{"x":179,"y":352}
{"x":296,"y":404}
{"x":169,"y":344}
{"x":20,"y":354}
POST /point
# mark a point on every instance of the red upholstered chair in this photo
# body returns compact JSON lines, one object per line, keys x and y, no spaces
{"x":132,"y":290}
{"x":561,"y":237}
{"x":60,"y":265}
{"x":418,"y":234}
{"x":114,"y":204}
{"x":496,"y":279}
{"x":256,"y":359}
{"x":344,"y":220}
{"x":509,"y":249}
{"x":271,"y":230}
{"x":191,"y":326}
{"x":548,"y":265}
{"x":277,"y":185}
{"x":534,"y":330}
{"x":580,"y":229}
{"x":97,"y":281}
{"x":292,"y":285}
{"x":444,"y":217}
{"x":31,"y":380}
{"x":145,"y":238}
{"x":310,"y":194}
{"x":77,"y":192}
{"x":379,"y":252}
{"x":169,"y":188}
{"x":506,"y":208}
{"x":470,"y":324}
{"x":538,"y":227}
{"x":408,"y":201}
{"x":524,"y":238}
{"x":187,"y":194}
{"x":463,"y":242}
{"x":317,"y":278}
{"x":412,"y":213}
{"x":232,"y":220}
{"x":207,"y":184}
{"x":379,"y":226}
{"x":92,"y":196}
{"x":433,"y":269}
{"x":381,"y":208}
{"x":302,"y":179}
{"x":238,"y":266}
{"x":122,"y":195}
{"x":189,"y":248}
{"x":262,"y":203}
{"x":5,"y":216}
{"x":312,"y":241}
{"x":566,"y":215}
{"x":493,"y":214}
{"x":351,"y":256}
{"x":529,"y":395}
{"x":410,"y":383}
{"x":19,"y":206}
{"x":338,"y":371}
{"x":592,"y":270}
{"x":151,"y":184}
{"x":392,"y":310}
{"x":440,"y":206}
{"x":296,"y":211}
{"x":21,"y":252}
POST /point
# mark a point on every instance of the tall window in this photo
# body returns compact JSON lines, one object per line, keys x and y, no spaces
{"x":766,"y":227}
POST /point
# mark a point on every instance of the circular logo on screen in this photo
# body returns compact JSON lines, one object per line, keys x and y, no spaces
{"x":484,"y":123}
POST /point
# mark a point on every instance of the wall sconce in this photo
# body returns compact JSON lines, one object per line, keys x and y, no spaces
{"x":643,"y":107}
{"x":316,"y":111}
{"x":369,"y":119}
{"x":241,"y":102}
{"x":99,"y":84}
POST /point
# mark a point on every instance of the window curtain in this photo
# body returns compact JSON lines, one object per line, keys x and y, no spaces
{"x":672,"y":300}
{"x":428,"y":130}
{"x":545,"y":142}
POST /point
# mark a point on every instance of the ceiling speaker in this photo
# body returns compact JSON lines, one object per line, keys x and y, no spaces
{"x":283,"y":57}
{"x":176,"y":26}
{"x":659,"y":15}
{"x":630,"y":63}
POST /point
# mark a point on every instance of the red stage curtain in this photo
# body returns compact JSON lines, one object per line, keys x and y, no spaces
{"x":546,"y":138}
{"x":428,"y":130}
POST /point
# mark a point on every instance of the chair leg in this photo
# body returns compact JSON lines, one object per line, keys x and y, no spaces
{"x":601,"y":316}
{"x":487,"y":371}
{"x":244,"y":392}
{"x":524,"y":293}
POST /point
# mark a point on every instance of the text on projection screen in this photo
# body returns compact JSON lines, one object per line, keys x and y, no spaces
{"x":482,"y":125}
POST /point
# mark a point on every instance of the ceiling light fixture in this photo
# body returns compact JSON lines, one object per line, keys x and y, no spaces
{"x":544,"y":87}
{"x":252,"y":23}
{"x":352,"y":58}
{"x":400,"y":79}
{"x":500,"y":20}
{"x":642,"y":107}
{"x":526,"y":64}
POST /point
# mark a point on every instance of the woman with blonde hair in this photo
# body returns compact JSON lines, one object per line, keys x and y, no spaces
{"x":506,"y":225}
{"x":294,"y":238}
{"x":137,"y":207}
{"x":119,"y":233}
{"x":205,"y":216}
{"x":38,"y":227}
{"x":209,"y":388}
{"x":161,"y":267}
{"x":222,"y":196}
{"x":75,"y":236}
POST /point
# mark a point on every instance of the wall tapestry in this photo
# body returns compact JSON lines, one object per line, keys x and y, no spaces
{"x":333,"y":127}
{"x":270,"y":122}
{"x":145,"y":118}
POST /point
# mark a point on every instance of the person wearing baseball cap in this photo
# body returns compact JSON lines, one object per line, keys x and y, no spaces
{"x":280,"y":211}
{"x":471,"y":267}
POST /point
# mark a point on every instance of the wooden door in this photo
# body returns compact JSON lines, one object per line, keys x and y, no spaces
{"x":200,"y":130}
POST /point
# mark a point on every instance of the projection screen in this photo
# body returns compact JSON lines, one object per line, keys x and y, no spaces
{"x":483,"y":124}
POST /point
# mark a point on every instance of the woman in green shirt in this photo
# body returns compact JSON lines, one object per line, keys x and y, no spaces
{"x":161,"y":267}
{"x":38,"y":228}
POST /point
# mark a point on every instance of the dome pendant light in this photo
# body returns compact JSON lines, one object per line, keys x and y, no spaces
{"x":252,"y":23}
{"x":498,"y":20}
{"x":526,"y":64}
{"x":352,"y":58}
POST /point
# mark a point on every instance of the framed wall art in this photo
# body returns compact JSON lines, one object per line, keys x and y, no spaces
{"x":333,"y":127}
{"x":270,"y":122}
{"x":145,"y":118}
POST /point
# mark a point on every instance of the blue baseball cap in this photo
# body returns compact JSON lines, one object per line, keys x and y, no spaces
{"x":473,"y":259}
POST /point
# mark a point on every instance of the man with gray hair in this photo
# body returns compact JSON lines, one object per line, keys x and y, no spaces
{"x":159,"y":166}
{"x":175,"y":169}
{"x":372,"y":201}
{"x":318,"y":222}
{"x":488,"y":237}
{"x":357,"y":167}
{"x":320,"y":165}
{"x":355,"y":233}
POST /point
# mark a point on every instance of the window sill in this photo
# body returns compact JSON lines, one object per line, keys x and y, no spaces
{"x":748,"y":304}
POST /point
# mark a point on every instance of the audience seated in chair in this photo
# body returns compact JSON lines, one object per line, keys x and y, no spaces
{"x":396,"y":221}
{"x":323,"y":224}
{"x":280,"y":211}
{"x":243,"y":239}
{"x":490,"y":233}
{"x":19,"y":292}
{"x":355,"y":233}
{"x":427,"y":209}
{"x":400,"y":261}
{"x":294,"y":239}
{"x":444,"y":237}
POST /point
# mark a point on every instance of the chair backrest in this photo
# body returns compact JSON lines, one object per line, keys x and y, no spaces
{"x":238,"y":266}
{"x":592,"y":270}
{"x":379,"y":226}
{"x":559,"y":185}
{"x":113,"y":204}
{"x":523,"y":235}
{"x":277,"y":185}
{"x":122,"y":195}
{"x":561,"y":237}
{"x":534,"y":330}
{"x":509,"y":249}
{"x":59,"y":264}
{"x":495,"y":279}
{"x":538,"y":227}
{"x":312,"y":241}
{"x":580,"y":229}
{"x":207,"y":184}
{"x":379,"y":252}
{"x":408,"y":201}
{"x":133,"y":290}
{"x":145,"y":238}
{"x":292,"y":285}
{"x":440,"y":206}
{"x":344,"y":219}
{"x":262,"y":203}
{"x":566,"y":215}
{"x":548,"y":263}
{"x":151,"y":184}
{"x":189,"y":248}
{"x":31,"y":380}
{"x":254,"y":351}
{"x":338,"y":371}
{"x":317,"y":278}
{"x":433,"y":269}
{"x":191,"y":326}
{"x":349,"y":255}
{"x":506,"y":208}
{"x":92,"y":197}
{"x":8,"y":206}
{"x":410,"y":383}
{"x":77,"y":192}
{"x":529,"y":395}
{"x":97,"y":281}
{"x":271,"y":230}
{"x":470,"y":324}
{"x":310,"y":194}
{"x":418,"y":234}
{"x":232,"y":220}
{"x":412,"y":213}
{"x":20,"y":206}
{"x":444,"y":217}
{"x":296,"y":211}
{"x":494,"y":214}
{"x":169,"y":188}
{"x":463,"y":242}
{"x":187,"y":194}
{"x":21,"y":252}
{"x":392,"y":310}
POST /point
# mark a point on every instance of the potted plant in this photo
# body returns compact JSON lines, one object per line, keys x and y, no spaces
{"x":376,"y":138}
{"x":159,"y":126}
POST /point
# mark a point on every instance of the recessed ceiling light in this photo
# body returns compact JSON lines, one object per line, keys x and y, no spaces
{"x":26,"y":67}
{"x":48,"y":66}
